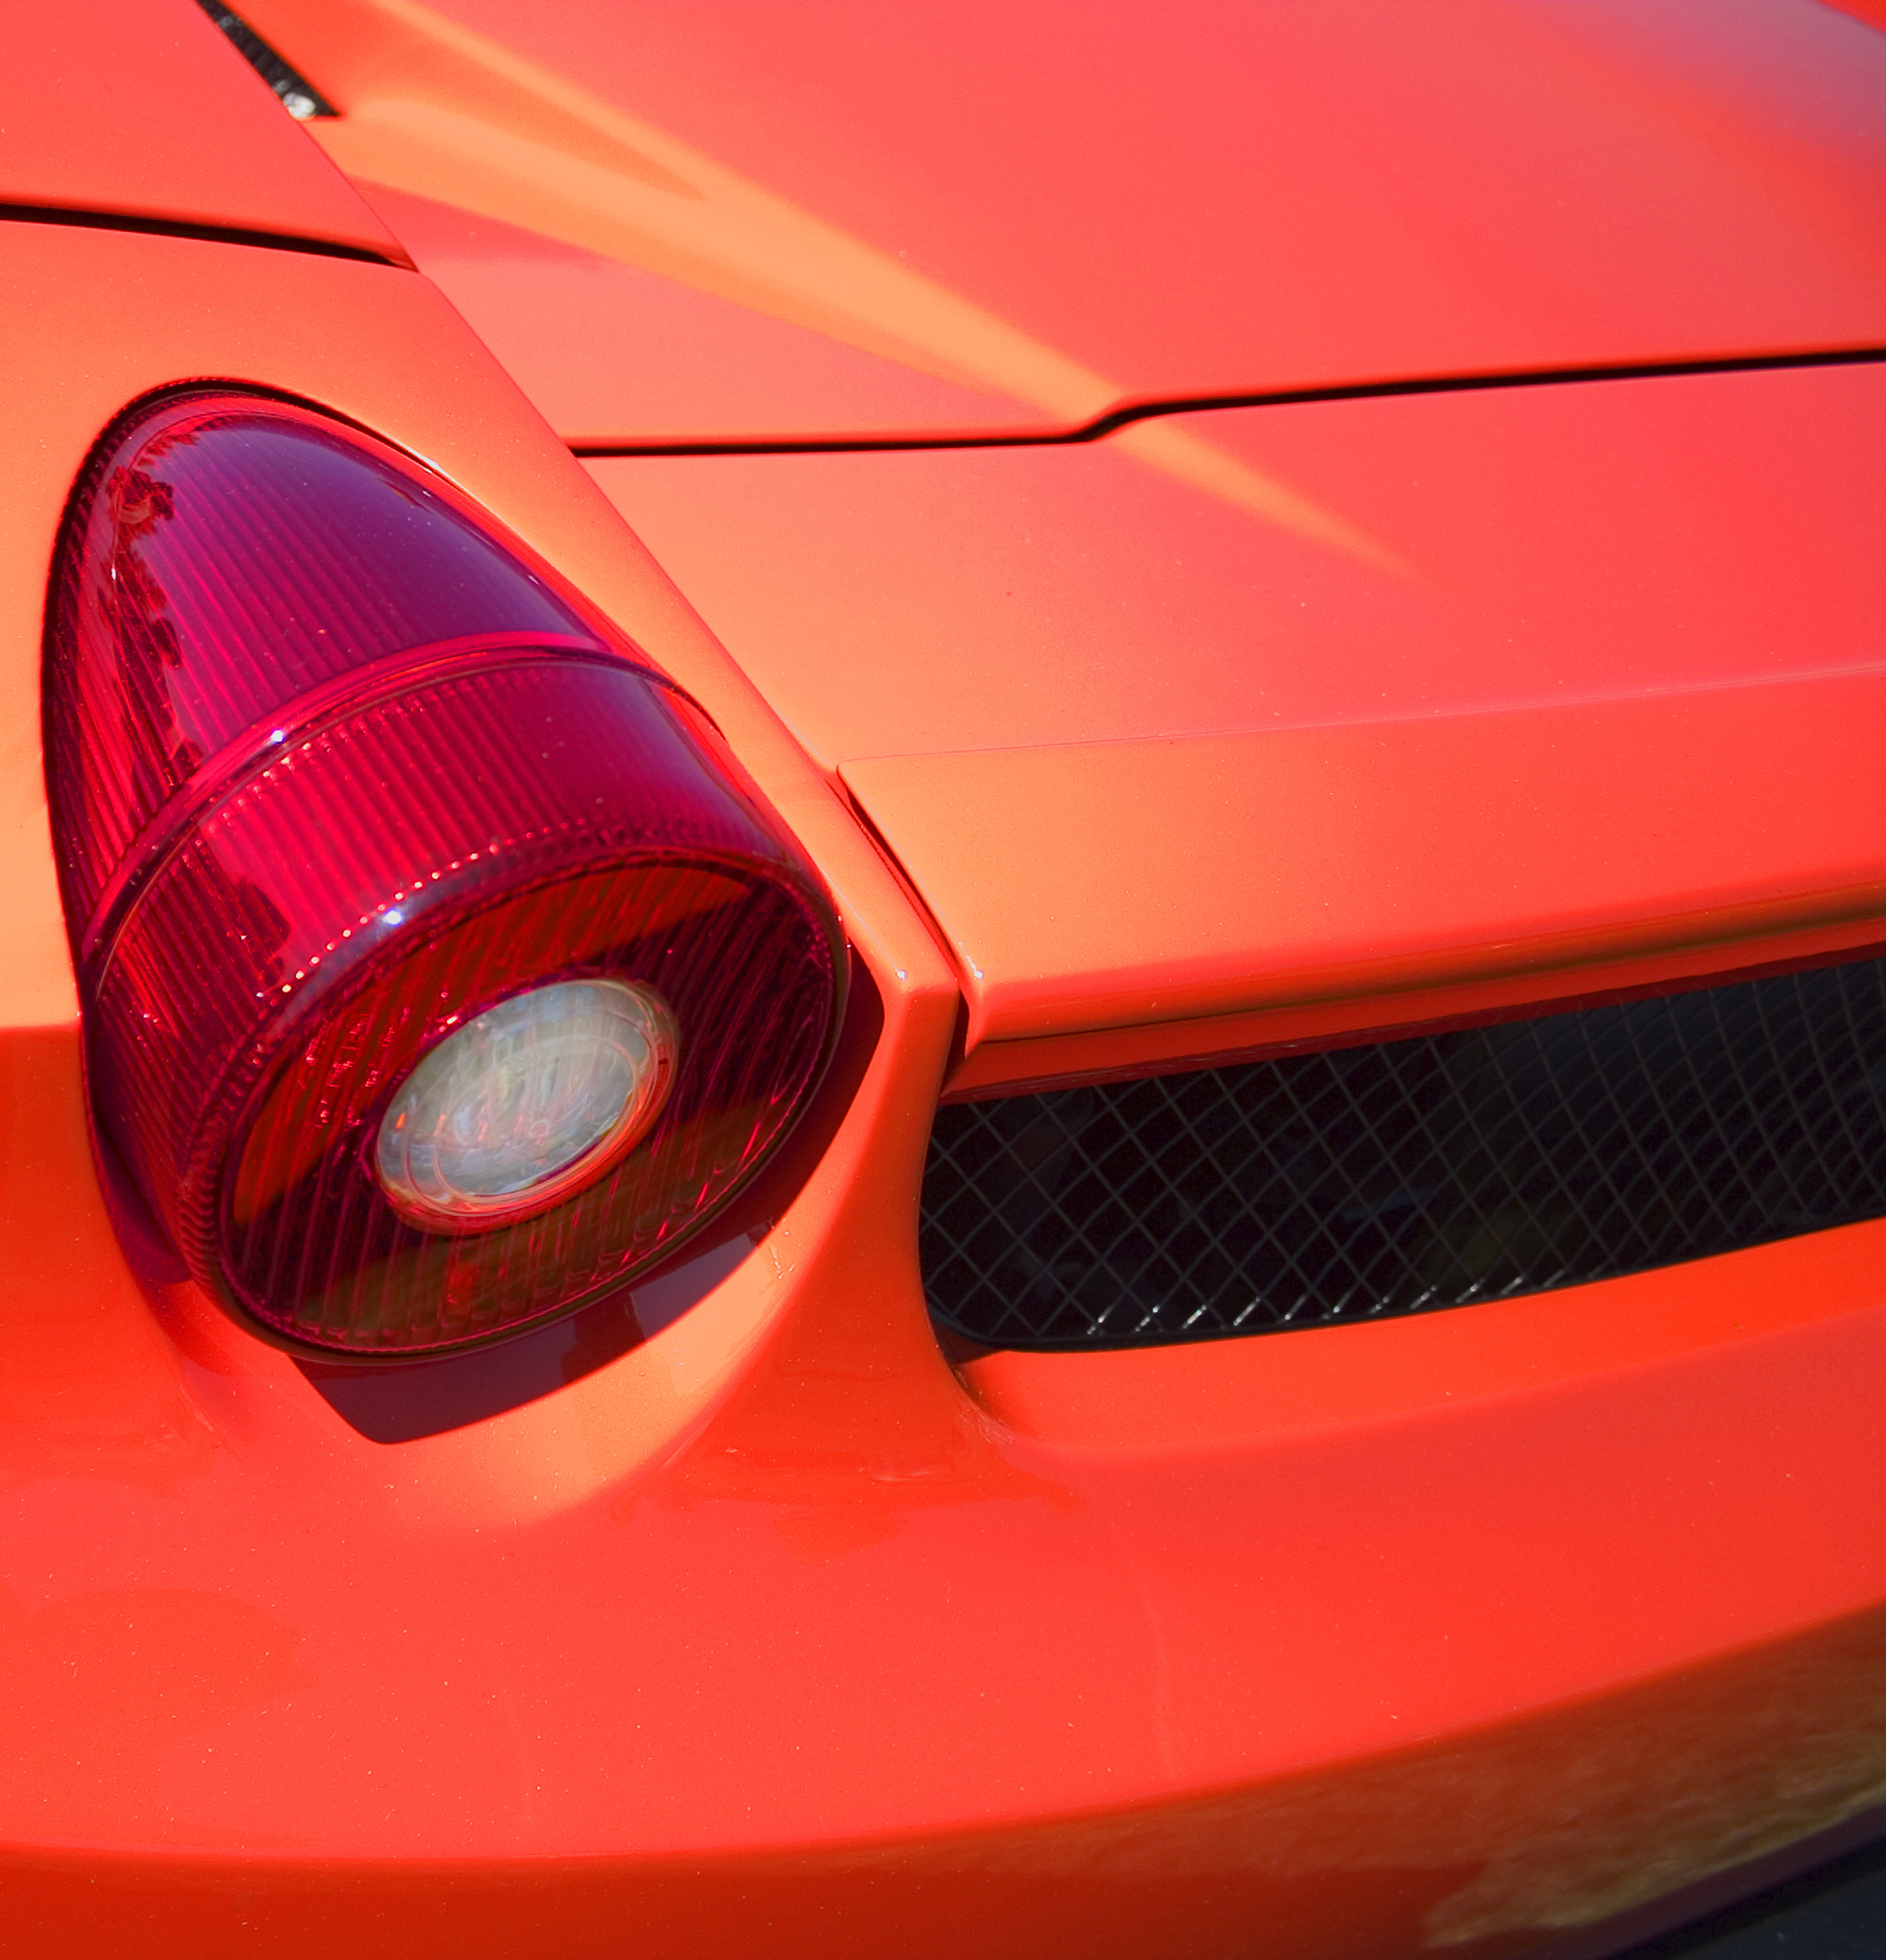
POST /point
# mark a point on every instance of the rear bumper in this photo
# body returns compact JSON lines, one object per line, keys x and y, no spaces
{"x":1468,"y":1631}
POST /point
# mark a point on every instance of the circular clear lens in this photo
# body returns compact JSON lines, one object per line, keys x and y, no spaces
{"x":515,"y":1110}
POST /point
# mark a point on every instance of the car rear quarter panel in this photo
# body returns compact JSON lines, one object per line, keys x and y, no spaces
{"x":780,"y":1631}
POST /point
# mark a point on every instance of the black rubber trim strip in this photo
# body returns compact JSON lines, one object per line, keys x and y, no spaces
{"x":1274,"y":398}
{"x":286,"y":82}
{"x":180,"y":229}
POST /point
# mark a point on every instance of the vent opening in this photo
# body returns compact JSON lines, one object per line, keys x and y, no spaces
{"x":1410,"y":1176}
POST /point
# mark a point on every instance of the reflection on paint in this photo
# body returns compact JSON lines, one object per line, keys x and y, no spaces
{"x":437,"y":110}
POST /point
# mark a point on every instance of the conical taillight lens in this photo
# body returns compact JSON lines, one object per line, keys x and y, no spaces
{"x":440,"y":969}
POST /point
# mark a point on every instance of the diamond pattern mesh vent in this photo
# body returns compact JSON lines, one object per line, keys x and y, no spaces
{"x":1415,"y":1174}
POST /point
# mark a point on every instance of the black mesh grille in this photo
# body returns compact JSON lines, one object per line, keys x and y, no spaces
{"x":1413,"y":1174}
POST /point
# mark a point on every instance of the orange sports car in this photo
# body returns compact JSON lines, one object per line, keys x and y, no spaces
{"x":946,"y":1001}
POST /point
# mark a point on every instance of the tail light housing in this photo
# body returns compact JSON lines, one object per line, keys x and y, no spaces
{"x":440,"y":969}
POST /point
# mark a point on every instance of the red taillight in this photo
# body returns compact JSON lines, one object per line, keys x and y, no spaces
{"x":348,"y":797}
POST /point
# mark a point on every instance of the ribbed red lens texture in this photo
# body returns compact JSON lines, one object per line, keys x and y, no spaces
{"x":335,"y":769}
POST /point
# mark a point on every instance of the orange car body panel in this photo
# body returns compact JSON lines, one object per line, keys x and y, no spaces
{"x":1547,"y":681}
{"x":147,"y":112}
{"x":784,"y":1632}
{"x":1054,"y":215}
{"x":701,"y":367}
{"x":1268,"y":570}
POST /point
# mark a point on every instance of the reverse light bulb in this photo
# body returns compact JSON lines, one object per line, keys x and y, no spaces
{"x":515,"y":1110}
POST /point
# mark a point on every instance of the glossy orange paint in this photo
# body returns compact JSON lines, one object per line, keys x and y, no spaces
{"x":1055,"y":211}
{"x":142,"y":110}
{"x":781,"y":1633}
{"x":1569,"y":677}
{"x":1106,"y":886}
{"x":1298,"y":567}
{"x":1754,"y":942}
{"x":603,"y":347}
